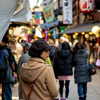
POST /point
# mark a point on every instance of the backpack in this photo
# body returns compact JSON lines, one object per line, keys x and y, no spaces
{"x":3,"y":67}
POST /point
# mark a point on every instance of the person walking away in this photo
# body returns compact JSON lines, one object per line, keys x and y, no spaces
{"x":63,"y":63}
{"x":23,"y":59}
{"x":36,"y":79}
{"x":7,"y":67}
{"x":82,"y":76}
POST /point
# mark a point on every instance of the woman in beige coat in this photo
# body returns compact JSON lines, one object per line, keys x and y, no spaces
{"x":38,"y":74}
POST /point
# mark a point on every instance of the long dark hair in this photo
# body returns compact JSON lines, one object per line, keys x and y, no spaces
{"x":78,"y":46}
{"x":65,"y":45}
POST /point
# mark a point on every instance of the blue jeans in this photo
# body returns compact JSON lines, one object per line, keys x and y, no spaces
{"x":82,"y":89}
{"x":6,"y":91}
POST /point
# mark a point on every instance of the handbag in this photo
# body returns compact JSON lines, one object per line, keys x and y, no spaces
{"x":92,"y":69}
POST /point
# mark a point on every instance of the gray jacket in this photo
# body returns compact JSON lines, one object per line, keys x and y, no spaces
{"x":23,"y":59}
{"x":82,"y":70}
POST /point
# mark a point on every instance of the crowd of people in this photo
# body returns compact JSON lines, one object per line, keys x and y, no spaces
{"x":40,"y":65}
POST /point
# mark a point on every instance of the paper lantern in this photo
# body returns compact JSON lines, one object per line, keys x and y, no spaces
{"x":74,"y":36}
{"x":83,"y":33}
{"x":76,"y":33}
{"x":86,"y":36}
{"x":64,"y":34}
{"x":95,"y":29}
{"x":90,"y":33}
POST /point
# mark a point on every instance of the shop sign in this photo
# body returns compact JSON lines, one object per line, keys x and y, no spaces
{"x":54,"y":33}
{"x":48,"y":14}
{"x":67,"y":11}
{"x":45,"y":3}
{"x":86,"y":6}
{"x":46,"y":34}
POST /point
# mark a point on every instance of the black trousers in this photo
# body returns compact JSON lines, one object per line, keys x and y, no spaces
{"x":61,"y":86}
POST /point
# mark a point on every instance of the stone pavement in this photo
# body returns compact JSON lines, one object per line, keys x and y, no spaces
{"x":93,"y":89}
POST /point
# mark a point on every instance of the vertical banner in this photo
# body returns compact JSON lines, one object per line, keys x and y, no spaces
{"x":46,"y":34}
{"x":54,"y":33}
{"x":67,"y":11}
{"x":37,"y":17}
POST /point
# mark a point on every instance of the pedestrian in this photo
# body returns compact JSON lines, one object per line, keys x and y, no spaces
{"x":63,"y":63}
{"x":36,"y":79}
{"x":23,"y":59}
{"x":82,"y":76}
{"x":7,"y":67}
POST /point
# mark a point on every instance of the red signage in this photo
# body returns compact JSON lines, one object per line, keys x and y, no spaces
{"x":86,"y":6}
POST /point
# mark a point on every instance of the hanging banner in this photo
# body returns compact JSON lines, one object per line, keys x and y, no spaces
{"x":86,"y":6}
{"x":54,"y":34}
{"x":48,"y":14}
{"x":67,"y":11}
{"x":46,"y":34}
{"x":37,"y":17}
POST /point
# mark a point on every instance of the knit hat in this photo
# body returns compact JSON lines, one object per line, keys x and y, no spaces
{"x":38,"y":47}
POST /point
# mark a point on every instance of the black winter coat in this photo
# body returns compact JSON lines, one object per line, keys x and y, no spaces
{"x":82,"y":70}
{"x":63,"y":62}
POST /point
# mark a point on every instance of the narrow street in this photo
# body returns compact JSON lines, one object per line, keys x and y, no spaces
{"x":93,"y":89}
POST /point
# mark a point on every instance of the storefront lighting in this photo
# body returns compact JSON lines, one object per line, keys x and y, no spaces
{"x":90,"y":33}
{"x":43,"y":35}
{"x":83,"y":33}
{"x":49,"y":34}
{"x":74,"y":36}
{"x":86,"y":36}
{"x":95,"y":29}
{"x":64,"y":35}
{"x":76,"y":33}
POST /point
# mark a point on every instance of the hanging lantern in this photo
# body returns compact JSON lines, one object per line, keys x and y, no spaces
{"x":64,"y":35}
{"x":49,"y":34}
{"x":83,"y":33}
{"x":76,"y":33}
{"x":95,"y":29}
{"x":74,"y":36}
{"x":97,"y":35}
{"x":86,"y":36}
{"x":90,"y":33}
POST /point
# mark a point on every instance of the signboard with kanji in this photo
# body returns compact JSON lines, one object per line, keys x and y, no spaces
{"x":67,"y":11}
{"x":48,"y":14}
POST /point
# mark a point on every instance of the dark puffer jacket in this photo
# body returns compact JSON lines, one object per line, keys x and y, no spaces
{"x":82,"y":70}
{"x":63,"y":63}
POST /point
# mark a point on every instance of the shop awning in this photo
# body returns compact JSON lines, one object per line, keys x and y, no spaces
{"x":81,"y":28}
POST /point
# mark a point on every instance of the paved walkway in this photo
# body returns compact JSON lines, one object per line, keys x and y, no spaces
{"x":93,"y":89}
